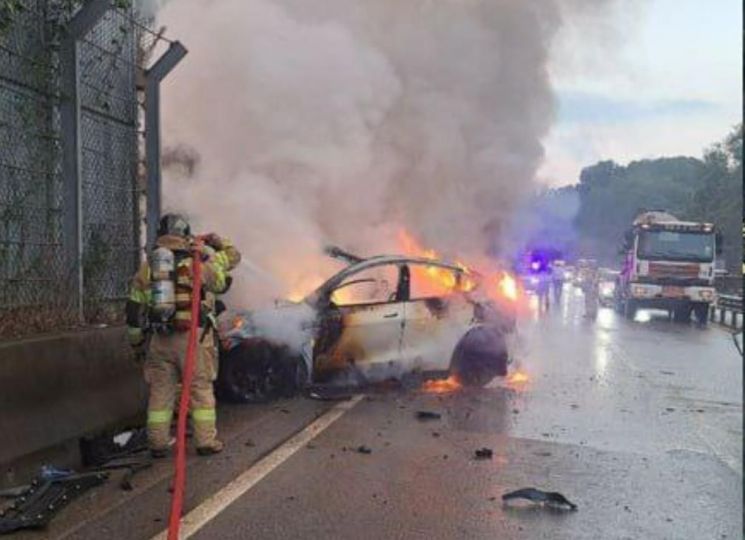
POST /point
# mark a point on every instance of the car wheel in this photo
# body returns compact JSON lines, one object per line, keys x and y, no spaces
{"x":243,"y":376}
{"x":480,"y":356}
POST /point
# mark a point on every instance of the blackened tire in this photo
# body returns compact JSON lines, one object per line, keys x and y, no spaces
{"x":242,"y":377}
{"x":480,"y":356}
{"x":257,"y":371}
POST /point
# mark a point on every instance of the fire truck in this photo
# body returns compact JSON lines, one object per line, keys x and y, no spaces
{"x":668,"y":265}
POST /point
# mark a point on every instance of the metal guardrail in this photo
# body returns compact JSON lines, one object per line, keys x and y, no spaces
{"x":728,"y":304}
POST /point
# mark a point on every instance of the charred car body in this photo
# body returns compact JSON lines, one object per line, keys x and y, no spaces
{"x":379,"y":318}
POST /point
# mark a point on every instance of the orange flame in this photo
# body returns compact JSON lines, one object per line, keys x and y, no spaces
{"x":508,"y":287}
{"x":237,"y":322}
{"x":518,"y":378}
{"x":442,"y":386}
{"x":440,"y":280}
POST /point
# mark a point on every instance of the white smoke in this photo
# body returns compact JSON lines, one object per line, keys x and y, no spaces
{"x":341,"y":121}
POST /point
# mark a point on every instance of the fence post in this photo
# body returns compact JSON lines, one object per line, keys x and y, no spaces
{"x":153,"y":77}
{"x":72,"y":219}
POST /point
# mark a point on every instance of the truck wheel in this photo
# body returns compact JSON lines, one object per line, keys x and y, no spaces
{"x":682,"y":314}
{"x":629,"y":309}
{"x":701,"y":312}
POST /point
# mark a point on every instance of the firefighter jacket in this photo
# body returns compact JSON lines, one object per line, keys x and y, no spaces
{"x":221,"y":258}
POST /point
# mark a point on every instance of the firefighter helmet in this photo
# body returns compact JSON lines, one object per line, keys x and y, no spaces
{"x":174,"y":224}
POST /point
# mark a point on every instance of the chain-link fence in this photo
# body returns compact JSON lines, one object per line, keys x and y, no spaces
{"x":37,"y":266}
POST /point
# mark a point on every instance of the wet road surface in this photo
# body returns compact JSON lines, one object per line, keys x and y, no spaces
{"x":640,"y":424}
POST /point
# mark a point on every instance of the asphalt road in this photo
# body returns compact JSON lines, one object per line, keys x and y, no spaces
{"x":638,"y":423}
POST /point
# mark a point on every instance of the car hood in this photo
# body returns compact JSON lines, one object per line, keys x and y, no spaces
{"x":287,"y":323}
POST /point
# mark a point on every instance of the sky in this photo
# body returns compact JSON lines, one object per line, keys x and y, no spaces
{"x":663,"y":78}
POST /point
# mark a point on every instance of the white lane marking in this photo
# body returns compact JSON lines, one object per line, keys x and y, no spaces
{"x":214,"y":505}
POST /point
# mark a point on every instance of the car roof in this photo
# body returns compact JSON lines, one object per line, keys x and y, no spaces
{"x":382,"y":260}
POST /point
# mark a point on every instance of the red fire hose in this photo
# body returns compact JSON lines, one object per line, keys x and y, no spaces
{"x":179,"y":481}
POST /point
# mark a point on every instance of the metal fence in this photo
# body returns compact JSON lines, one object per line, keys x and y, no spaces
{"x":69,"y":241}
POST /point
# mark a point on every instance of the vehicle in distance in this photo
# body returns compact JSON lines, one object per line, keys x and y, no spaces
{"x":669,"y":264}
{"x":607,"y":286}
{"x":379,"y":318}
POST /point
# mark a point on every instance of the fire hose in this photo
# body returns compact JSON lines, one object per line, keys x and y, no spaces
{"x":179,"y":481}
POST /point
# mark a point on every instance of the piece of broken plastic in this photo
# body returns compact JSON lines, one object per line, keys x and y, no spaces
{"x":484,"y":453}
{"x":50,"y":472}
{"x":550,"y":498}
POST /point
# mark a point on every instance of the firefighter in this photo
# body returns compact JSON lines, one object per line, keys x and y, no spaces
{"x":557,"y":281}
{"x":159,"y":318}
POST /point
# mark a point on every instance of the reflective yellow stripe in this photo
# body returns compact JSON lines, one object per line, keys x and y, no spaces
{"x":182,"y":315}
{"x":204,"y":415}
{"x":221,"y":258}
{"x":139,"y":296}
{"x":135,"y":335}
{"x":162,"y":416}
{"x":220,"y":277}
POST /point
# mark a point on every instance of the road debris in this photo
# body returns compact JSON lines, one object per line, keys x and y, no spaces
{"x":95,"y":451}
{"x":362,"y":449}
{"x":549,"y":498}
{"x":428,"y":415}
{"x":35,"y":507}
{"x":483,"y":453}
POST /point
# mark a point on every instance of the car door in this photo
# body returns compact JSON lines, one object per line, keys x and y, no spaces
{"x":362,"y":328}
{"x":436,"y":317}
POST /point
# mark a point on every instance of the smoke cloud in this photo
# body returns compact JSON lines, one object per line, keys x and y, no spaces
{"x":342,"y":121}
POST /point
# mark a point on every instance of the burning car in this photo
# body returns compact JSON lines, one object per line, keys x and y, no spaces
{"x":378,"y":318}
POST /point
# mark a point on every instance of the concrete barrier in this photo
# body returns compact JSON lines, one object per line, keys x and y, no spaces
{"x":57,"y":388}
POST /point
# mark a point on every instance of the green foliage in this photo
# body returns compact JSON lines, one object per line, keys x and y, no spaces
{"x":708,"y":189}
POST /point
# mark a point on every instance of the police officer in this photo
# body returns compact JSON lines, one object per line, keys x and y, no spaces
{"x":166,"y":337}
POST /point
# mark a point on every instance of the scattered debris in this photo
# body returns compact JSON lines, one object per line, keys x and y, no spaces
{"x":549,"y":498}
{"x":669,"y":409}
{"x":50,"y":472}
{"x":36,"y":506}
{"x":13,"y":492}
{"x":483,"y":453}
{"x":574,"y":406}
{"x":428,"y":415}
{"x":132,"y":464}
{"x":97,"y":450}
{"x":249,"y":443}
{"x":331,"y":396}
{"x":515,"y":411}
{"x":362,"y":449}
{"x":435,"y":434}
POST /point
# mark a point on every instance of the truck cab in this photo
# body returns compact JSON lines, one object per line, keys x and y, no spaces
{"x":669,"y":265}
